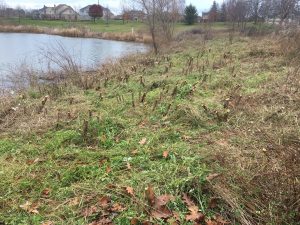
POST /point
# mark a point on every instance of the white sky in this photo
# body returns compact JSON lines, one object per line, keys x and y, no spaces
{"x":114,"y":5}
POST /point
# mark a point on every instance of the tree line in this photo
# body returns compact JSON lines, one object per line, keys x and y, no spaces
{"x":255,"y":11}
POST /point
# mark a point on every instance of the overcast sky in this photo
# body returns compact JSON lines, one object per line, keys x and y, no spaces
{"x":114,"y":5}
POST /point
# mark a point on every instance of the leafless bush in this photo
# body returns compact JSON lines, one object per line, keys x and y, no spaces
{"x":290,"y":42}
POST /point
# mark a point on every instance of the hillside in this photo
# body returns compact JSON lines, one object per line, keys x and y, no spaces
{"x":207,"y":132}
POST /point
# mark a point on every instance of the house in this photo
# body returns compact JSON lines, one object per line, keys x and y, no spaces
{"x":84,"y":13}
{"x":134,"y":15}
{"x":205,"y":17}
{"x":60,"y":12}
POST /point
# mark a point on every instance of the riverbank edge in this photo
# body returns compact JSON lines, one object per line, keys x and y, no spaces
{"x":77,"y":32}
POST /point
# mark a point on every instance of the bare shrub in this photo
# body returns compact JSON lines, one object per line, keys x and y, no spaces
{"x":290,"y":42}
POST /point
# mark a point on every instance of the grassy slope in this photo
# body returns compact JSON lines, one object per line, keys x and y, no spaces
{"x":114,"y":26}
{"x":40,"y":152}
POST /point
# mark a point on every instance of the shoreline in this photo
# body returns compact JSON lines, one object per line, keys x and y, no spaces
{"x":77,"y":33}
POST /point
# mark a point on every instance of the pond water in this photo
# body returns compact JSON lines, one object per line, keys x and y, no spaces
{"x":42,"y":52}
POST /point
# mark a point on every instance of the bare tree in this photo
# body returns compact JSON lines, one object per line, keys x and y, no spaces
{"x":160,"y":16}
{"x":286,"y":8}
{"x":2,"y":8}
{"x":254,"y":7}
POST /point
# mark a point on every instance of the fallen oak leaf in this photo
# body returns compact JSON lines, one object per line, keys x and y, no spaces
{"x":161,"y":213}
{"x":194,"y":214}
{"x":104,"y":202}
{"x":128,"y":166}
{"x":188,"y":201}
{"x":163,"y":200}
{"x":129,"y":191}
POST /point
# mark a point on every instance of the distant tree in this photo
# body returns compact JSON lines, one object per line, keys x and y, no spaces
{"x":160,"y":16}
{"x":255,"y":9}
{"x":96,"y":11}
{"x":190,"y":14}
{"x":213,"y":13}
{"x":223,"y":13}
{"x":2,"y":8}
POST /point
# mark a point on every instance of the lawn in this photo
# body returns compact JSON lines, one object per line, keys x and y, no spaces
{"x":99,"y":26}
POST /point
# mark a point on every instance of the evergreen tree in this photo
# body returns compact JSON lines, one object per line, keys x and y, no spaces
{"x":190,"y":14}
{"x":213,"y":13}
{"x":223,"y":13}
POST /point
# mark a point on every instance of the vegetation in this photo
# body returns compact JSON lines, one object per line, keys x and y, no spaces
{"x":205,"y":132}
{"x":190,"y":14}
{"x":96,"y":11}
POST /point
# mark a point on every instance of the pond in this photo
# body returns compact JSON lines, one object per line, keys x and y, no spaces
{"x":42,"y":52}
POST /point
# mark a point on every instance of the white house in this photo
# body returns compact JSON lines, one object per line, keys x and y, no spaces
{"x":59,"y":12}
{"x":84,"y":13}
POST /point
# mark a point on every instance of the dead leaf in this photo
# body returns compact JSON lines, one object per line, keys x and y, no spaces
{"x":87,"y":212}
{"x":194,"y":214}
{"x":188,"y":201}
{"x":46,"y":191}
{"x":130,"y":191}
{"x":221,"y":221}
{"x":212,"y":176}
{"x":104,"y":202}
{"x":150,"y":196}
{"x":211,"y":222}
{"x":165,"y":154}
{"x":212,"y":203}
{"x":134,"y":221}
{"x":30,"y":207}
{"x":161,"y":213}
{"x":163,"y":200}
{"x":146,"y":223}
{"x":143,"y":141}
{"x":117,"y":208}
{"x":108,"y":169}
{"x":128,"y":166}
{"x":134,"y":152}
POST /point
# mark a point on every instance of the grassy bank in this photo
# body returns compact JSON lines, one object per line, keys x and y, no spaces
{"x":207,"y":126}
{"x":113,"y":30}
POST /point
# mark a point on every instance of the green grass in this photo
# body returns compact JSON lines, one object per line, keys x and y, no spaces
{"x":101,"y":25}
{"x":124,"y":145}
{"x":98,"y":26}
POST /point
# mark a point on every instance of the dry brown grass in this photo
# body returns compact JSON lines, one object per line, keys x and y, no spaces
{"x":78,"y":32}
{"x":260,"y":149}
